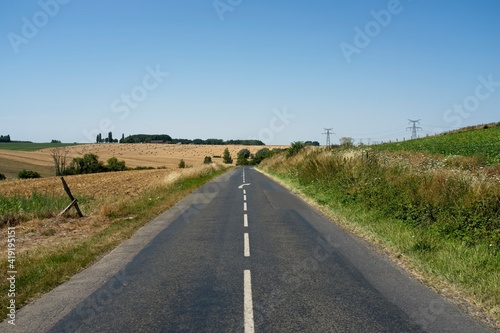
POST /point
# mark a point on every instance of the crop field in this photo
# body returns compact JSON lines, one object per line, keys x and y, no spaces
{"x":134,"y":155}
{"x":27,"y":146}
{"x":32,"y":204}
{"x":484,"y":143}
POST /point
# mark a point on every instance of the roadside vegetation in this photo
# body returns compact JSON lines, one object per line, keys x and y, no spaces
{"x":51,"y":249}
{"x":439,"y":215}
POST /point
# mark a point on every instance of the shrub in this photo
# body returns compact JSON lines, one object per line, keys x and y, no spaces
{"x":182,"y":164}
{"x":207,"y":160}
{"x":226,"y":157}
{"x":28,"y":174}
{"x":2,"y":176}
{"x":295,"y":148}
{"x":115,"y":165}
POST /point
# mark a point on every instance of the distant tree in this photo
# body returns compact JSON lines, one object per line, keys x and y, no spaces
{"x":207,"y":160}
{"x":122,"y":140}
{"x":110,"y":137}
{"x":59,"y":155}
{"x":198,"y":142}
{"x":28,"y":174}
{"x":89,"y":163}
{"x":226,"y":157}
{"x":245,"y":152}
{"x":55,"y":141}
{"x":2,"y":176}
{"x":260,"y":155}
{"x":182,"y":164}
{"x":115,"y":165}
{"x":98,"y":139}
{"x":347,"y":141}
{"x":243,"y":156}
{"x":5,"y":138}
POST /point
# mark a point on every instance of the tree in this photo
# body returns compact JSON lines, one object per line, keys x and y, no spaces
{"x":110,"y":137}
{"x":122,"y":140}
{"x":226,"y":157}
{"x":207,"y":160}
{"x":5,"y":138}
{"x":243,"y":156}
{"x":59,"y":155}
{"x":347,"y":141}
{"x":260,"y":155}
{"x":89,"y":163}
{"x":115,"y":165}
{"x":182,"y":164}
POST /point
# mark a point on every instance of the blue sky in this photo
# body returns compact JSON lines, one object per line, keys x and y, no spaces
{"x":279,"y":71}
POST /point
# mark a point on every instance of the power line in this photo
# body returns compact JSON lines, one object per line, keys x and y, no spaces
{"x":328,"y":132}
{"x":414,"y":128}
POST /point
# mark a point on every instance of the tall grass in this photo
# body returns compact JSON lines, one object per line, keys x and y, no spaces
{"x":443,"y":217}
{"x":16,"y":209}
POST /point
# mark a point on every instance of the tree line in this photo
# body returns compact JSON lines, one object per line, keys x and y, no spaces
{"x":165,"y":138}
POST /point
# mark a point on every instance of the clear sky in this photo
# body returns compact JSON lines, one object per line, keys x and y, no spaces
{"x":279,"y":71}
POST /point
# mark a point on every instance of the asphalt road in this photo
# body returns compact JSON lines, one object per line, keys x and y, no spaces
{"x":251,"y":258}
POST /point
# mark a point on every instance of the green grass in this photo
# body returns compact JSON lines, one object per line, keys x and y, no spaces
{"x":14,"y":210}
{"x":42,"y":270}
{"x":482,"y":142}
{"x":31,"y":146}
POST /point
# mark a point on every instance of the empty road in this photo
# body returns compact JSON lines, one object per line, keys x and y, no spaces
{"x":243,"y":254}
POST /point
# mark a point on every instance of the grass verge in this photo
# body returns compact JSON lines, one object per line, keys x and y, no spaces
{"x":45,"y":267}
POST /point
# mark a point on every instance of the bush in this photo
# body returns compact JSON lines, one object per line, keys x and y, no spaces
{"x":182,"y":164}
{"x":115,"y":165}
{"x":207,"y":160}
{"x":28,"y":174}
{"x":295,"y":148}
{"x":2,"y":176}
{"x":226,"y":157}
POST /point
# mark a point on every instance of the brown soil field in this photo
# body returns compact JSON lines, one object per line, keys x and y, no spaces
{"x":134,"y":155}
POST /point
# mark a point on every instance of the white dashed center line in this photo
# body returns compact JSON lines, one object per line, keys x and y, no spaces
{"x":247,"y":302}
{"x":247,"y":282}
{"x":247,"y":245}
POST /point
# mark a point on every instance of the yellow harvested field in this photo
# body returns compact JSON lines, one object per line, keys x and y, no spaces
{"x":98,"y":185}
{"x":134,"y":155}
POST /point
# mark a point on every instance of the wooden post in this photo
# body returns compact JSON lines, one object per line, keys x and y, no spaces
{"x":72,"y":198}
